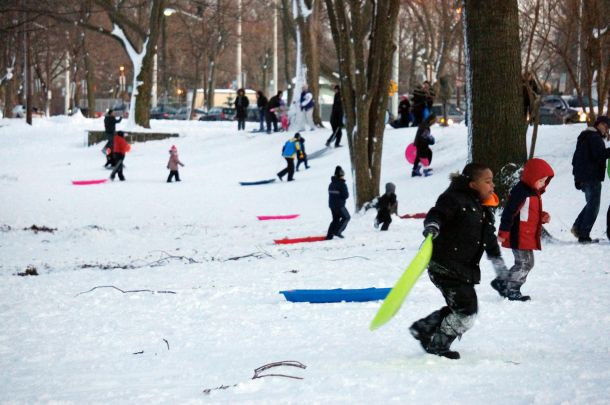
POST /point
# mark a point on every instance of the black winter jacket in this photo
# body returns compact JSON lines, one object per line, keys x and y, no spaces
{"x":241,"y":107}
{"x":589,"y":160}
{"x":337,"y":193}
{"x":423,"y":140}
{"x":466,"y":229}
{"x":336,"y":114}
{"x":110,"y":122}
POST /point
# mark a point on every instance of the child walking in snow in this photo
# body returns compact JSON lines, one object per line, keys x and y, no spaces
{"x":173,"y":163}
{"x":302,"y":155}
{"x":386,"y":206}
{"x":120,"y":147}
{"x":423,"y":140}
{"x":521,"y":227}
{"x":462,"y":227}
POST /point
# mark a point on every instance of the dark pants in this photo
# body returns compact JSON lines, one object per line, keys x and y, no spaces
{"x":271,"y":118}
{"x":340,"y":219}
{"x":418,"y":115}
{"x":241,"y":123}
{"x":384,"y":218}
{"x":454,"y":319}
{"x":109,"y":141}
{"x":118,"y":167}
{"x":302,"y":160}
{"x":175,"y":174}
{"x":261,"y":119}
{"x":608,"y":223}
{"x":336,"y":135}
{"x":585,"y":220}
{"x":289,"y":169}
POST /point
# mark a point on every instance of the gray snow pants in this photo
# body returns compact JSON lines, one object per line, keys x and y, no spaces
{"x":515,"y":277}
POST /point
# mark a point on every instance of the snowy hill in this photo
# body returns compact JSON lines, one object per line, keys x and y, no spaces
{"x":215,"y":316}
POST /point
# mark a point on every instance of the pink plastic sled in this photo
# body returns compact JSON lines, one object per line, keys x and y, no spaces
{"x":88,"y":182}
{"x":411,"y":154}
{"x":272,"y":217}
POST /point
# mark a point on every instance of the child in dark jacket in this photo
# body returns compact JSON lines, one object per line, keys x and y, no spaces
{"x":337,"y":195}
{"x":521,"y":227}
{"x":423,"y":140}
{"x":386,"y":206}
{"x":173,"y":163}
{"x":302,"y":155}
{"x":462,"y":226}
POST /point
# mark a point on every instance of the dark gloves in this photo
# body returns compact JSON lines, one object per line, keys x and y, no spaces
{"x":432,"y":230}
{"x":578,"y":185}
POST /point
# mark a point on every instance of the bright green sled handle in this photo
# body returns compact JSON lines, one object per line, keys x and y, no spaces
{"x":397,"y":295}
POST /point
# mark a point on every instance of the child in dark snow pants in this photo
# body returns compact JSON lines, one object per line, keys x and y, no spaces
{"x":423,"y":140}
{"x":302,"y":155}
{"x":521,"y":227}
{"x":386,"y":206}
{"x":337,"y":195}
{"x":462,"y":226}
{"x":173,"y":163}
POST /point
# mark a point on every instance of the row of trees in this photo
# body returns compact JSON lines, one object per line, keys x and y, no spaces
{"x":478,"y":47}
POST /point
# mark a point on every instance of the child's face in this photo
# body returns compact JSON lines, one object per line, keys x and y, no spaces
{"x":540,"y":183}
{"x":484,"y":184}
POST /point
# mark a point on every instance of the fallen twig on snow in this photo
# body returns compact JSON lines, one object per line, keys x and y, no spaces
{"x":346,"y":258}
{"x":125,"y":291}
{"x":36,"y":229}
{"x":167,"y":343}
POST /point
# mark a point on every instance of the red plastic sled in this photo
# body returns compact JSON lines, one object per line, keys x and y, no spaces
{"x":287,"y":241}
{"x":419,"y":215}
{"x":88,"y":182}
{"x":272,"y":217}
{"x":411,"y":154}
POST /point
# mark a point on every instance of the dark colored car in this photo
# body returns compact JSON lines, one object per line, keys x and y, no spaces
{"x":573,"y":101}
{"x":162,"y":112}
{"x":554,"y":110}
{"x":252,"y":115}
{"x":121,"y":110}
{"x":219,"y":114}
{"x":454,"y":114}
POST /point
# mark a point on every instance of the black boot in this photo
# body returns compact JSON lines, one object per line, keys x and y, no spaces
{"x":420,"y":332}
{"x":517,"y":296}
{"x":499,"y":286}
{"x":439,"y":345}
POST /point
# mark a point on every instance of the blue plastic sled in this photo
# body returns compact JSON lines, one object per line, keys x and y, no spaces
{"x":336,"y":295}
{"x":256,"y":183}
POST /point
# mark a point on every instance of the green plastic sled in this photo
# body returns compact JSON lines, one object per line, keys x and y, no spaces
{"x":399,"y":292}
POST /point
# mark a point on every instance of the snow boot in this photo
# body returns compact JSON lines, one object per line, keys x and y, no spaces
{"x":439,"y":345}
{"x":517,"y":296}
{"x":416,"y":171}
{"x":427,"y":172}
{"x":499,"y":286}
{"x":574,"y":231}
{"x":585,"y":240}
{"x":419,"y":332}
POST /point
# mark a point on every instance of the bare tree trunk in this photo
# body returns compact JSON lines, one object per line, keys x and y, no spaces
{"x":309,"y":28}
{"x":288,"y":32}
{"x":496,"y":135}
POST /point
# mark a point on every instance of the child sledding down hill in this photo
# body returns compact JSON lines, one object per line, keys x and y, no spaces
{"x":521,"y":227}
{"x":462,"y":227}
{"x":423,"y":140}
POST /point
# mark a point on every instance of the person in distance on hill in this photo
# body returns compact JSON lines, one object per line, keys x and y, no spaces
{"x":290,"y":149}
{"x":386,"y":206}
{"x":337,"y":195}
{"x":302,"y":155}
{"x":241,"y":108}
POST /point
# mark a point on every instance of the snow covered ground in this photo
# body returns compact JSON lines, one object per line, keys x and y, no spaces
{"x":226,"y":318}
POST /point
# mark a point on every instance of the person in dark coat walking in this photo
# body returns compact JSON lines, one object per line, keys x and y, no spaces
{"x":423,"y":140}
{"x":241,"y":109}
{"x":337,"y":195}
{"x":589,"y":166}
{"x":386,"y":206}
{"x":301,"y":155}
{"x":336,"y":119}
{"x":110,"y":122}
{"x":462,"y":227}
{"x":423,"y":98}
{"x":261,"y":103}
{"x":270,"y":113}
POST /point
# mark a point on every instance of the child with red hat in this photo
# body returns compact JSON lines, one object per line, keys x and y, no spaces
{"x":521,"y":227}
{"x":173,"y":163}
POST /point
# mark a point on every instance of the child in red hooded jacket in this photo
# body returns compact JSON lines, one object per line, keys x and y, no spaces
{"x":119,"y":148}
{"x":521,"y":227}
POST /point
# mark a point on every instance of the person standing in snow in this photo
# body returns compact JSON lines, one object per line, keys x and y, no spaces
{"x":110,"y":122}
{"x":270,"y":113}
{"x":302,"y":155}
{"x":462,"y":227}
{"x":290,"y":149}
{"x":589,"y":165}
{"x":307,"y":103}
{"x":336,"y":119}
{"x":119,"y":149}
{"x":423,"y":140}
{"x":423,"y":98}
{"x":261,"y":103}
{"x":337,"y":195}
{"x":521,"y":227}
{"x":173,"y":163}
{"x":386,"y":206}
{"x":241,"y":109}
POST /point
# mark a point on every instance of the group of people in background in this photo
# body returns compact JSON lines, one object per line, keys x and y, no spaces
{"x":414,"y":112}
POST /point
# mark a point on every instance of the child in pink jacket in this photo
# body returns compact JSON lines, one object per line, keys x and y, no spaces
{"x":173,"y":163}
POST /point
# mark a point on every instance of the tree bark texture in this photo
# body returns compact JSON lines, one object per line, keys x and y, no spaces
{"x":495,"y":104}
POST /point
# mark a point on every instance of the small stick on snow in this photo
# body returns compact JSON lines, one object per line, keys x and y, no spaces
{"x":123,"y":291}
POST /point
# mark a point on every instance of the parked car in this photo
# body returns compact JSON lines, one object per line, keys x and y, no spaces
{"x":121,"y":110}
{"x":554,"y":110}
{"x":162,"y":112}
{"x":219,"y":114}
{"x":574,"y":103}
{"x":454,"y":114}
{"x":181,"y":113}
{"x":252,"y":114}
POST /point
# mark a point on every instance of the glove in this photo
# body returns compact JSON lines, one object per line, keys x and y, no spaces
{"x":431,"y":230}
{"x":546,"y":217}
{"x":578,"y":185}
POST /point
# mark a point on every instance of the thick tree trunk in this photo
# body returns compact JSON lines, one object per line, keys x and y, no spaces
{"x":495,"y":104}
{"x":309,"y":29}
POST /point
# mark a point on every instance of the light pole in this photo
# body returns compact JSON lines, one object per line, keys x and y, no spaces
{"x":239,"y":78}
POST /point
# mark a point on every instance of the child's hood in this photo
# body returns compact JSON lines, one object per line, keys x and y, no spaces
{"x":534,"y":170}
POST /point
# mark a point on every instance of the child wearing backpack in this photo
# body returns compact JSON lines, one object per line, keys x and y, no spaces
{"x":462,"y":227}
{"x":173,"y":163}
{"x":521,"y":227}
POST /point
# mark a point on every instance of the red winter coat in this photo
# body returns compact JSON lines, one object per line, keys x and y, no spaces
{"x":522,"y":218}
{"x":120,"y":145}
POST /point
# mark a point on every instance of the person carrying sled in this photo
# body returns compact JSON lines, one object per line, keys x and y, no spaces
{"x":302,"y":155}
{"x":521,"y":227}
{"x":119,"y":149}
{"x":386,"y":206}
{"x":462,"y":227}
{"x":173,"y":163}
{"x":423,"y":140}
{"x":337,"y":195}
{"x":290,"y":149}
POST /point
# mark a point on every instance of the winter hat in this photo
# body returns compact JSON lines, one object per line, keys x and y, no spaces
{"x":339,"y":172}
{"x":121,"y":134}
{"x":602,"y":119}
{"x":297,"y":136}
{"x":534,"y":170}
{"x":390,"y":188}
{"x":110,"y":110}
{"x":173,"y":149}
